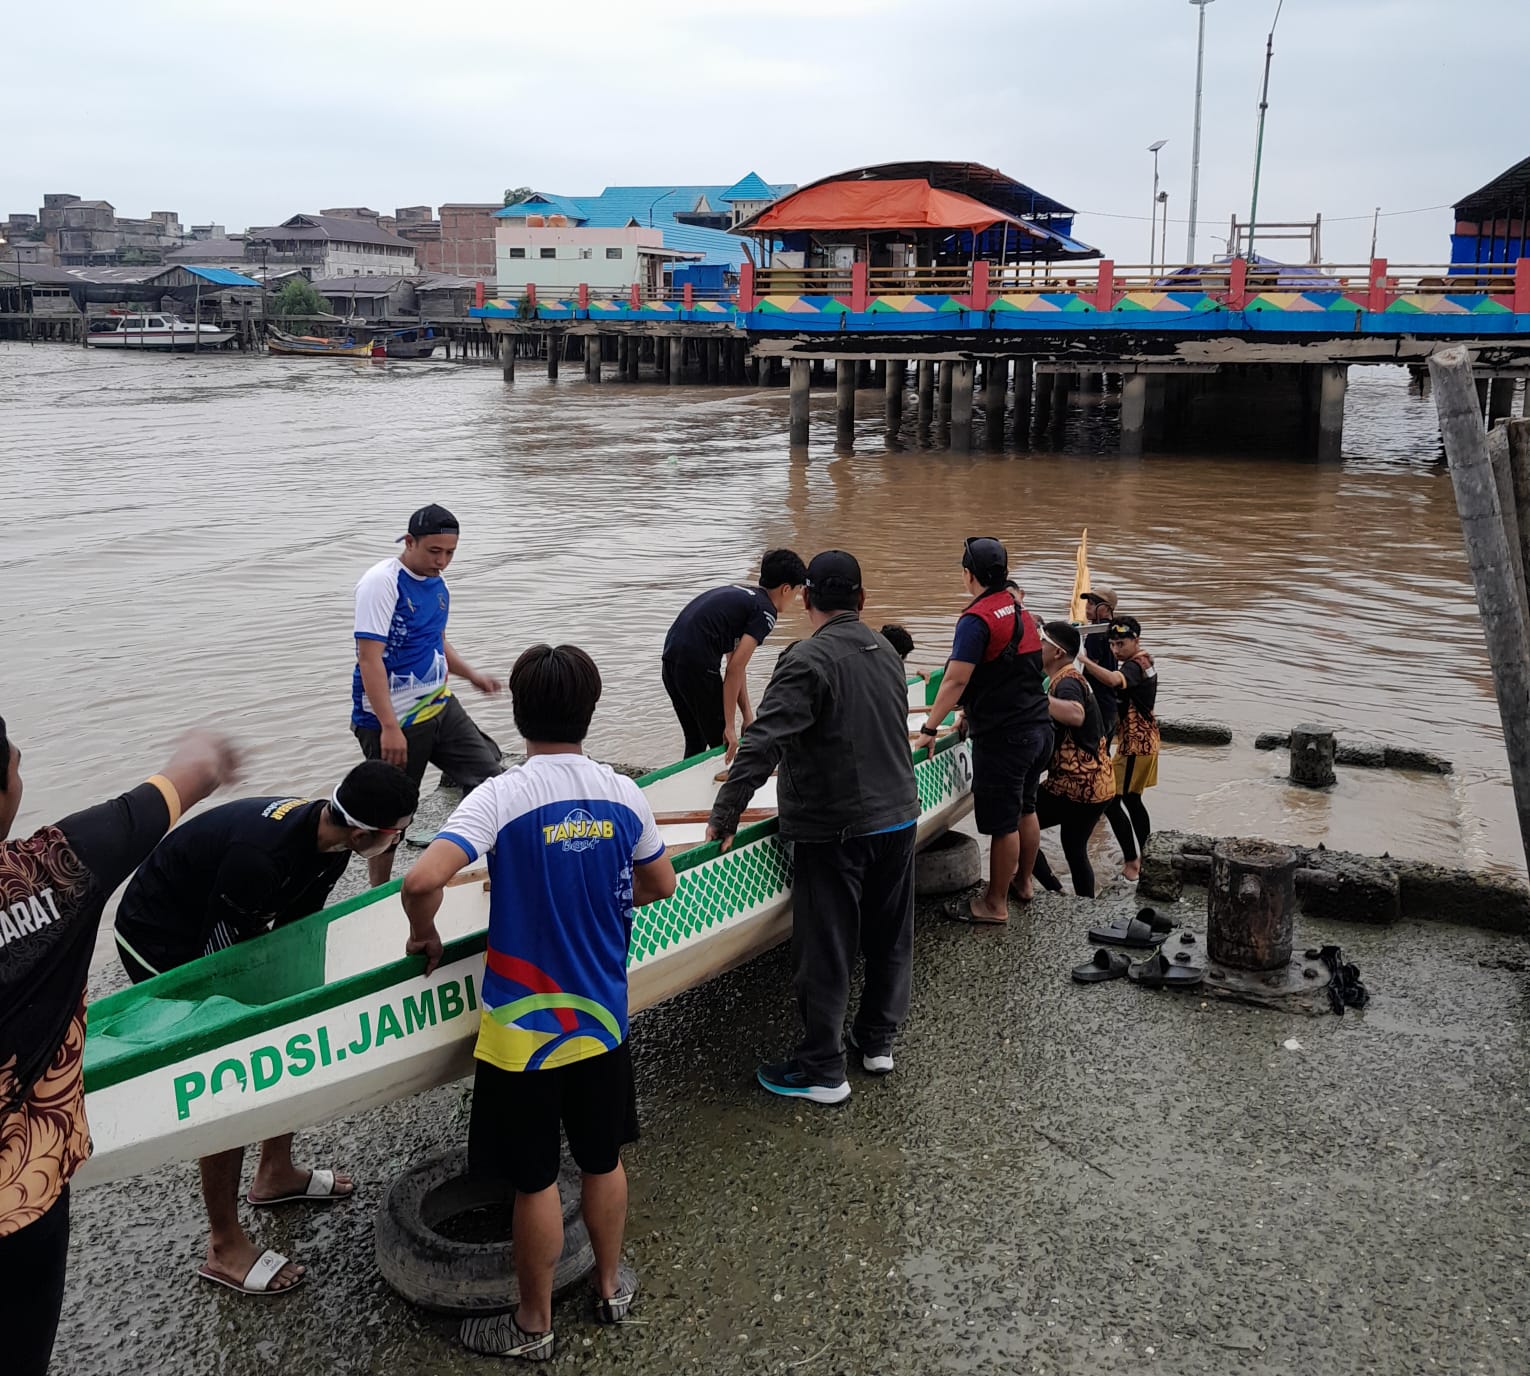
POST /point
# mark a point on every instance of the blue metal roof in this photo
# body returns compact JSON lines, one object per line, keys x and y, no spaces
{"x":750,"y":187}
{"x":541,"y":202}
{"x":220,"y":277}
{"x":715,"y":245}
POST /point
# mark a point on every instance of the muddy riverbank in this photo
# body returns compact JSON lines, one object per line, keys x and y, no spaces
{"x":1056,"y":1178}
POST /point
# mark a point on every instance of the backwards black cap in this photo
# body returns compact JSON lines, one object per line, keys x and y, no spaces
{"x":432,"y":520}
{"x":834,"y":578}
{"x":986,"y":559}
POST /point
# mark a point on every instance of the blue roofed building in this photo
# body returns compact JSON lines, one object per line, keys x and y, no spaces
{"x":627,"y":234}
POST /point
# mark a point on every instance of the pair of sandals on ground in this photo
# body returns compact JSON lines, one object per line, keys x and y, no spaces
{"x":501,"y":1335}
{"x":1147,"y":931}
{"x":262,"y":1278}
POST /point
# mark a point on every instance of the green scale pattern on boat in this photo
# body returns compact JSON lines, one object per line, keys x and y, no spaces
{"x":729,"y":885}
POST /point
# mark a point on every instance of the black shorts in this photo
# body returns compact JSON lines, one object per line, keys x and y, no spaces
{"x":450,"y":740}
{"x":513,"y":1134}
{"x":1006,"y":772}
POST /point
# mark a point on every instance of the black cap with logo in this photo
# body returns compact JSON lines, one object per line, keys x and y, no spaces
{"x":432,"y":520}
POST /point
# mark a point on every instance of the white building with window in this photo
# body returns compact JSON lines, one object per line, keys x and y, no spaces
{"x":557,"y":256}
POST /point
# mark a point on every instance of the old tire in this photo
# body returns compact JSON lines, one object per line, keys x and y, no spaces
{"x":949,"y":864}
{"x":437,"y":1272}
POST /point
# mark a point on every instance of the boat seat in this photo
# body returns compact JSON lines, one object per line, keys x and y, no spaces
{"x":153,"y":1019}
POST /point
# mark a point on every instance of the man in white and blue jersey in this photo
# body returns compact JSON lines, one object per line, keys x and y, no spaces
{"x":402,"y":708}
{"x":572,"y":849}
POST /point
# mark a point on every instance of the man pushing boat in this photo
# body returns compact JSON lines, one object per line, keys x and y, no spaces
{"x":53,"y":887}
{"x":402,"y":710}
{"x":233,"y":873}
{"x":726,"y":623}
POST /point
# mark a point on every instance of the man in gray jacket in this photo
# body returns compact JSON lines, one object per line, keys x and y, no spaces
{"x":835,"y":717}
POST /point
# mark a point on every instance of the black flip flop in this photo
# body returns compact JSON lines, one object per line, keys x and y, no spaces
{"x":1137,"y":932}
{"x":959,"y":909}
{"x":1157,"y":972}
{"x":1104,"y":965}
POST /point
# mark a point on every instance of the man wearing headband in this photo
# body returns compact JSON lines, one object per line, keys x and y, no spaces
{"x":402,"y":709}
{"x":1099,"y":606}
{"x":994,"y":674}
{"x":232,"y":873}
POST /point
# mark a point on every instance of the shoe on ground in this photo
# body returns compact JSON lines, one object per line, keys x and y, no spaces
{"x":786,"y":1078}
{"x":498,"y":1335}
{"x":613,"y":1308}
{"x":881,"y":1064}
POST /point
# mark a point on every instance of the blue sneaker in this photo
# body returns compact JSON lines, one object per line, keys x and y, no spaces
{"x":786,"y":1078}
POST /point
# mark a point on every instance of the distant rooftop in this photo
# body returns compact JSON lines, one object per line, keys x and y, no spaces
{"x":340,"y":228}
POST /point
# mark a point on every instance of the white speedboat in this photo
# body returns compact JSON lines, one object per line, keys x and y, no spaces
{"x":322,"y":1017}
{"x":159,"y":331}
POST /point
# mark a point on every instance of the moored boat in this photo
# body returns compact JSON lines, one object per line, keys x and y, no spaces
{"x":156,"y":331}
{"x":417,"y":341}
{"x":316,"y":346}
{"x":322,"y":1018}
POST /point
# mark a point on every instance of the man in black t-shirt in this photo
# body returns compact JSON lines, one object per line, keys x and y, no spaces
{"x":729,"y":623}
{"x":53,"y":887}
{"x":229,"y":875}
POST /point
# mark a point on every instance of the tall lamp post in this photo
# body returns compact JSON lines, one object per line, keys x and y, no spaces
{"x":1163,"y":243}
{"x":1195,"y":145}
{"x":655,"y":202}
{"x":1153,"y":234}
{"x":1264,"y":104}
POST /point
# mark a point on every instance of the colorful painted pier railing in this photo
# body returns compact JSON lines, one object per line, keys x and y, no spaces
{"x":1236,"y":298}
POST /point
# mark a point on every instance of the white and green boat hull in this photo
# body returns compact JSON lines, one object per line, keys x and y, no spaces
{"x":322,"y":1018}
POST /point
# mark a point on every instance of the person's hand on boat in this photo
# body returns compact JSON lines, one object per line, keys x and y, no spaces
{"x":730,"y":739}
{"x":395,"y":749}
{"x":961,"y":726}
{"x":485,"y":683}
{"x":428,"y":946}
{"x":724,"y":839}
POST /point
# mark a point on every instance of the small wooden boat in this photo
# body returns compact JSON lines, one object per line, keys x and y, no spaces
{"x":159,"y":331}
{"x":323,"y":1018}
{"x":316,"y":346}
{"x":413,"y":342}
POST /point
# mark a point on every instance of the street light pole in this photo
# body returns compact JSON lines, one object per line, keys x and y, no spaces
{"x":1163,"y":242}
{"x":1264,"y":104}
{"x":1195,"y":146}
{"x":1153,"y":233}
{"x":655,"y":202}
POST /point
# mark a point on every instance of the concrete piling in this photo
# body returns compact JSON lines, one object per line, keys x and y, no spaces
{"x":797,"y":412}
{"x":676,"y":359}
{"x":893,"y":391}
{"x":1133,"y":412}
{"x":1332,"y":388}
{"x":926,"y":390}
{"x":961,"y":406}
{"x":844,"y":402}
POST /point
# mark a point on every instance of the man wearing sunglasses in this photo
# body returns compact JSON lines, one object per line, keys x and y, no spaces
{"x":233,"y":873}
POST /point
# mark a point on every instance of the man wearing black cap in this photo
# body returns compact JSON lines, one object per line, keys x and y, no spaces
{"x":1099,"y":606}
{"x":835,"y":716}
{"x":230,"y":874}
{"x":402,"y":710}
{"x":995,"y":675}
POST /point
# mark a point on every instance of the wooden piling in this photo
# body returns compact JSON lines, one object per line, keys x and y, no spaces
{"x":926,"y":390}
{"x":676,"y":359}
{"x":1249,"y":905}
{"x":946,"y":365}
{"x":1503,"y":481}
{"x":1312,"y":752}
{"x":844,"y":402}
{"x":507,"y":357}
{"x":893,"y":393}
{"x":1519,"y":471}
{"x":1487,"y":549}
{"x":961,"y":406}
{"x":801,"y":388}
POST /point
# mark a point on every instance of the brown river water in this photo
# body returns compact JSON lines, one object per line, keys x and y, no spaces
{"x":182,"y":536}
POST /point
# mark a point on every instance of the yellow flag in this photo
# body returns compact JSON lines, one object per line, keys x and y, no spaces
{"x":1080,"y":579}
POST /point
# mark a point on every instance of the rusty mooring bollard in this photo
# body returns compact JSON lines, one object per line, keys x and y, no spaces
{"x":1249,"y":905}
{"x":1312,"y":751}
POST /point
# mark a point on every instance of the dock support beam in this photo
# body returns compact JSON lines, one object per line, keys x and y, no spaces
{"x":1133,"y":413}
{"x":1333,"y":384}
{"x":995,"y":389}
{"x":554,"y":348}
{"x":961,"y":406}
{"x":946,"y":366}
{"x":844,"y":402}
{"x":507,"y":357}
{"x":623,"y":356}
{"x":1025,"y":371}
{"x":676,"y":358}
{"x":1500,"y":399}
{"x":894,"y":394}
{"x":797,"y":413}
{"x":593,"y":345}
{"x":926,"y":390}
{"x":634,"y":359}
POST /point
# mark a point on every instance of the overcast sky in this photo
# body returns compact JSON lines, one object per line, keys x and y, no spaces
{"x":244,"y":114}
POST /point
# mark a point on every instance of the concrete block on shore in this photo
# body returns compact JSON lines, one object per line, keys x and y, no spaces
{"x":1195,"y":732}
{"x":1345,"y":887}
{"x":1367,"y":754}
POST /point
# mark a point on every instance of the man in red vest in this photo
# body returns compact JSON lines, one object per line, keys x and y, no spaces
{"x":995,"y":676}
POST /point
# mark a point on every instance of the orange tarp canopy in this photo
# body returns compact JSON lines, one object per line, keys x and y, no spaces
{"x":880,"y":205}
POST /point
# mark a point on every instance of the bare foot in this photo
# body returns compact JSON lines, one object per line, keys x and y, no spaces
{"x":1022,"y":895}
{"x":233,"y":1263}
{"x":1132,"y":869}
{"x":983,"y":912}
{"x":281,"y":1184}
